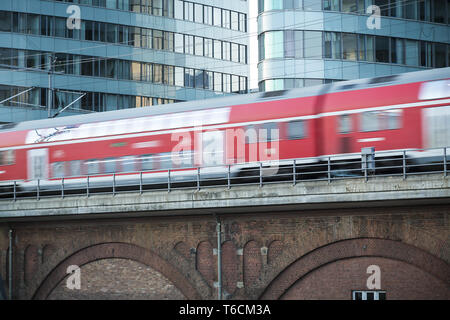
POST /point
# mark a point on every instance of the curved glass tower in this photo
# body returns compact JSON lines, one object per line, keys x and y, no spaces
{"x":309,"y":42}
{"x":116,"y":54}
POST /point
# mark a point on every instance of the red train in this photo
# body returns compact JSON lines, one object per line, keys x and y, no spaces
{"x":405,"y":111}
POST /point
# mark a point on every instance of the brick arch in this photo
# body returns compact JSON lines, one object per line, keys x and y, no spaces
{"x":116,"y":250}
{"x":361,"y":247}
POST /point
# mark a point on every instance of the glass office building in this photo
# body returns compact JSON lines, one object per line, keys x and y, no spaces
{"x":122,"y":54}
{"x":310,"y":42}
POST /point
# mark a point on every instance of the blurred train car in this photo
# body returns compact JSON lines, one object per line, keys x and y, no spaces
{"x":406,"y":111}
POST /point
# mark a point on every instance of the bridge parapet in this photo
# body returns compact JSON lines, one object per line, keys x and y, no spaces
{"x":346,"y":193}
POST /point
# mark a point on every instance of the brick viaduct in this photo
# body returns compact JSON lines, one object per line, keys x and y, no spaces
{"x":313,"y":240}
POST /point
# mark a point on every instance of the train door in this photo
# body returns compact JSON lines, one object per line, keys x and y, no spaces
{"x":344,"y":129}
{"x":37,"y":164}
{"x":345,"y":146}
{"x":436,"y":127}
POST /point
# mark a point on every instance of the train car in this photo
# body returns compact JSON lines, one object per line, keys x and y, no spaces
{"x":406,"y":111}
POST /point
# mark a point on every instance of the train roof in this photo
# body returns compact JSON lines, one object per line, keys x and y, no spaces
{"x":403,"y":78}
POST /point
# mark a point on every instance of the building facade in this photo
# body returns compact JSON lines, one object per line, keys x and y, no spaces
{"x":310,"y":42}
{"x":117,"y":54}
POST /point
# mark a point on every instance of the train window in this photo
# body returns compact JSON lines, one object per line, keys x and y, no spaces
{"x":269,"y":132}
{"x":434,"y":90}
{"x":75,"y":168}
{"x":110,"y":165}
{"x":7,"y":157}
{"x":381,"y":120}
{"x":58,"y":169}
{"x":296,"y":129}
{"x":182,"y":159}
{"x":188,"y":159}
{"x":146,"y":162}
{"x":393,"y":119}
{"x":369,"y":121}
{"x":92,"y":166}
{"x":128,"y":164}
{"x":345,"y":123}
{"x":165,"y":160}
{"x":250,"y":134}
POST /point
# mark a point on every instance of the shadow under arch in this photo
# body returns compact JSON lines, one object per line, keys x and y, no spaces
{"x":352,"y":248}
{"x":116,"y":250}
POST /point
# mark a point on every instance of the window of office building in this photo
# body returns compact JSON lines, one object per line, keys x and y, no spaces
{"x":226,"y":82}
{"x":242,"y":84}
{"x":217,"y":81}
{"x":272,"y":45}
{"x":179,"y":42}
{"x":332,"y":45}
{"x":157,"y":7}
{"x":208,"y":47}
{"x":412,"y":52}
{"x":179,"y":76}
{"x":5,"y":21}
{"x":168,"y":75}
{"x":136,"y":71}
{"x":397,"y":51}
{"x":383,"y":5}
{"x":382,"y":49}
{"x":226,"y":18}
{"x":349,"y":5}
{"x":217,"y":49}
{"x":235,"y":52}
{"x":179,"y":9}
{"x":333,"y":5}
{"x":208,"y":15}
{"x":242,"y":22}
{"x":439,"y":57}
{"x":33,"y":24}
{"x":188,"y":44}
{"x":349,"y":46}
{"x":425,"y":54}
{"x":293,"y":44}
{"x":217,"y":17}
{"x":168,"y":41}
{"x":198,"y":13}
{"x":226,"y":51}
{"x":242,"y":54}
{"x":198,"y":46}
{"x":234,"y":20}
{"x":157,"y":39}
{"x":209,"y":80}
{"x":312,"y":5}
{"x":188,"y":11}
{"x":189,"y":77}
{"x":313,"y":44}
{"x":410,"y":10}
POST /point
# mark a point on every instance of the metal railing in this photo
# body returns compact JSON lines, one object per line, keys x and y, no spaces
{"x":366,"y":165}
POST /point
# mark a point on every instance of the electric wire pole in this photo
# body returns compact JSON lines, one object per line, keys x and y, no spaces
{"x":52,"y":59}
